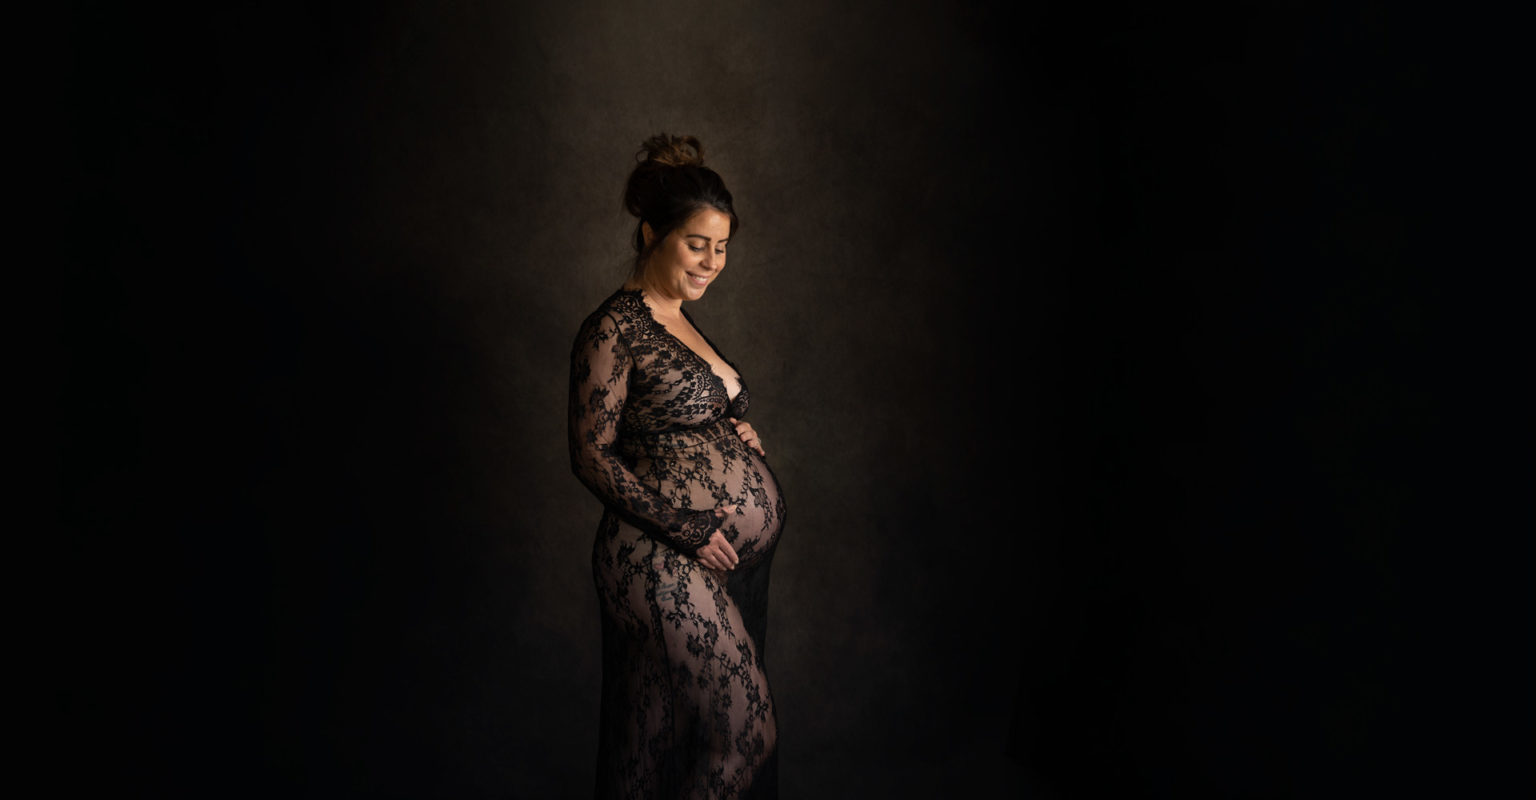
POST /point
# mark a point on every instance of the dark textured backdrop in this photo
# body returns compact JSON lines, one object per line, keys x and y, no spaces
{"x":1100,"y":353}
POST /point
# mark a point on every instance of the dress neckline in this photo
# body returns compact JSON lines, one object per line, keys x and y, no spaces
{"x":650,"y":315}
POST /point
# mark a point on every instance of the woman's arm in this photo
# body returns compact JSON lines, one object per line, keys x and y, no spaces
{"x":600,"y":365}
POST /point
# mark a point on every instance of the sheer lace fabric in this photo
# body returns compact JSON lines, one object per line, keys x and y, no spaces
{"x":686,"y":711}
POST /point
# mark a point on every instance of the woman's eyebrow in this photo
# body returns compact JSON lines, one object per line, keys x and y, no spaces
{"x":705,"y":238}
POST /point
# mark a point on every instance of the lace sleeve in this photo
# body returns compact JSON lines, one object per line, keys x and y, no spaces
{"x":600,"y":365}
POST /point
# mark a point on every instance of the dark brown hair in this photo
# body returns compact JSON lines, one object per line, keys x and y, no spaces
{"x":669,"y":185}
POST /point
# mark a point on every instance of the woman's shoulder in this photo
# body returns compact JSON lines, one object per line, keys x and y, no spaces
{"x":621,"y":311}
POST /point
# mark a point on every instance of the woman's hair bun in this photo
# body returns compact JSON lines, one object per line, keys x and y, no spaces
{"x":673,"y":151}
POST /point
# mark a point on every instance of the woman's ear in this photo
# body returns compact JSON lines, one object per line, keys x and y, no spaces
{"x":645,"y":230}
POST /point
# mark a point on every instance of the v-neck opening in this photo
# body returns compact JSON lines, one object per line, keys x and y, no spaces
{"x":708,"y":367}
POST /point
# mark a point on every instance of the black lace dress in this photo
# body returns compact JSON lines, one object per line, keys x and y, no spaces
{"x":686,"y":711}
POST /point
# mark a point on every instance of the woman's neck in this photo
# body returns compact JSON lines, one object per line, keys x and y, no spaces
{"x":663,"y":307}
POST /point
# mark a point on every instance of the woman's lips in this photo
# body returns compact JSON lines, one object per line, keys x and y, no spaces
{"x":698,"y":280}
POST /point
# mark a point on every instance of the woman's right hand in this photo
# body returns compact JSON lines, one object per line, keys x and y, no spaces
{"x":717,"y":553}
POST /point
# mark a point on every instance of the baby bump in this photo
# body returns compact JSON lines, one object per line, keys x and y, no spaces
{"x":721,"y":470}
{"x":754,"y":529}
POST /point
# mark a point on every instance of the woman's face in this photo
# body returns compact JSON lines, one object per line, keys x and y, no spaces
{"x":685,"y":263}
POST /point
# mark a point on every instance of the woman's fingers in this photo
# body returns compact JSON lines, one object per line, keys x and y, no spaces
{"x":718,"y":553}
{"x":727,"y":552}
{"x":748,"y":435}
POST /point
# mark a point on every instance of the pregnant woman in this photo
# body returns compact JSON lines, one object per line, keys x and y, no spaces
{"x":691,"y":510}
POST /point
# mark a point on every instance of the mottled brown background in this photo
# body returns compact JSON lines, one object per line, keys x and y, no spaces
{"x":1098,"y":351}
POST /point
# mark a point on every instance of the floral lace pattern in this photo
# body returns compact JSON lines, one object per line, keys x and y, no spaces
{"x":686,"y":711}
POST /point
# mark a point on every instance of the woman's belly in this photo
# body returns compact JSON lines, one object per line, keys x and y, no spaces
{"x":713,"y":467}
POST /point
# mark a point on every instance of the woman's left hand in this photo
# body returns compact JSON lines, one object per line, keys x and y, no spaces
{"x":744,"y":430}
